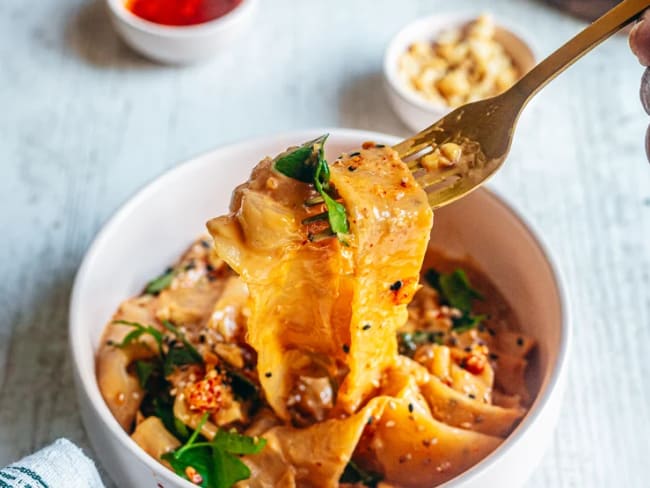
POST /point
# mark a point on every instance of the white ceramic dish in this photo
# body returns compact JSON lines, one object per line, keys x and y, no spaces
{"x":415,"y":111}
{"x":156,"y":225}
{"x":179,"y":44}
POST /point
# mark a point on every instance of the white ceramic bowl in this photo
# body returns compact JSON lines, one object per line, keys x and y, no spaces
{"x":157,"y":224}
{"x":415,"y":111}
{"x":179,"y":44}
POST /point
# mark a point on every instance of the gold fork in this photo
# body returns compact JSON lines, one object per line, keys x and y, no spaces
{"x":484,"y":129}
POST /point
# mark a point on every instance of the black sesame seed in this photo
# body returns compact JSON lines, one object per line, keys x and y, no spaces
{"x":205,"y":244}
{"x":190,"y":265}
{"x":346,"y":348}
{"x":520,"y":341}
{"x":351,"y":168}
{"x":209,"y":268}
{"x":380,"y":145}
{"x":396,"y":286}
{"x":268,"y":374}
{"x":410,"y":407}
{"x":472,"y":396}
{"x":491,"y":331}
{"x":481,"y":328}
{"x":468,"y":349}
{"x":354,"y":154}
{"x":366,"y":327}
{"x":493,"y":356}
{"x":202,"y":338}
{"x":370,"y":419}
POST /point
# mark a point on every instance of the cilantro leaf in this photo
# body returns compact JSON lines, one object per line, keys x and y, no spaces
{"x":215,"y":461}
{"x":354,"y":474}
{"x":458,"y":291}
{"x":200,"y":459}
{"x":228,"y":469}
{"x":235,"y":443}
{"x":159,"y":283}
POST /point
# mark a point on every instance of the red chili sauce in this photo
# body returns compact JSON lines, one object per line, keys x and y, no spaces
{"x":181,"y":12}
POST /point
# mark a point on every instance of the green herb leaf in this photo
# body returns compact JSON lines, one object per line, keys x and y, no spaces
{"x":467,"y":322}
{"x":200,"y":459}
{"x":337,"y":216}
{"x":138,"y":332}
{"x":300,"y":163}
{"x":181,"y":337}
{"x":158,"y":284}
{"x":354,"y":474}
{"x":228,"y":469}
{"x":336,"y":213}
{"x":458,"y":291}
{"x":215,"y":461}
{"x":144,"y":369}
{"x":164,"y":410}
{"x":307,"y":163}
{"x":235,"y":443}
{"x":179,"y":355}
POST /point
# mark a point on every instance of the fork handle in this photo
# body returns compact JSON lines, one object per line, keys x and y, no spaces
{"x":607,"y":25}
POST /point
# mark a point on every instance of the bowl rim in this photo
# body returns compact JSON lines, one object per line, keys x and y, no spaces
{"x":454,"y":19}
{"x":87,"y":381}
{"x":204,"y":29}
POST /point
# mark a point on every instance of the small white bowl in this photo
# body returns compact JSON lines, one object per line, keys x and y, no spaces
{"x":179,"y":44}
{"x":153,"y":228}
{"x":415,"y":111}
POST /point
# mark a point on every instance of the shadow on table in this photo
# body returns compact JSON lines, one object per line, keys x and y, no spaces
{"x":91,"y":36}
{"x":364,"y":105}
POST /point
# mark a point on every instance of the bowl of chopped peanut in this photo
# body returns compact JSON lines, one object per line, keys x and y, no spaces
{"x":438,"y":63}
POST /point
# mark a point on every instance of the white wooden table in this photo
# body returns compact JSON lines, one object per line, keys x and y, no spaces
{"x":84,"y":123}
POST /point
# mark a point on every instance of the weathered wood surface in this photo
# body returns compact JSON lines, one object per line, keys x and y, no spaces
{"x":84,"y":122}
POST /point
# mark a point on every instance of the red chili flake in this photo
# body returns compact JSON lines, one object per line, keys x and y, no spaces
{"x":474,"y":363}
{"x":205,"y":395}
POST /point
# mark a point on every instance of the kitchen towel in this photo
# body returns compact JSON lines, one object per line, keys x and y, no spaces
{"x":59,"y":465}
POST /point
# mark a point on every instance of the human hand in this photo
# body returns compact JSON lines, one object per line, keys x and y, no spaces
{"x":640,"y":44}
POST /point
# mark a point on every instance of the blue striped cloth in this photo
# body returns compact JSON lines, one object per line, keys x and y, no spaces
{"x":60,"y":465}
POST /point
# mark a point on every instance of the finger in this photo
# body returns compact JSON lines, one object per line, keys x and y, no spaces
{"x":647,"y":143}
{"x":644,"y":91}
{"x":640,"y":39}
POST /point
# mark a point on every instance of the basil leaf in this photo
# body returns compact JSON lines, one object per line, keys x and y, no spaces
{"x":158,"y":284}
{"x":228,"y":469}
{"x":235,"y":443}
{"x":467,"y":322}
{"x":201,"y":460}
{"x":354,"y":474}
